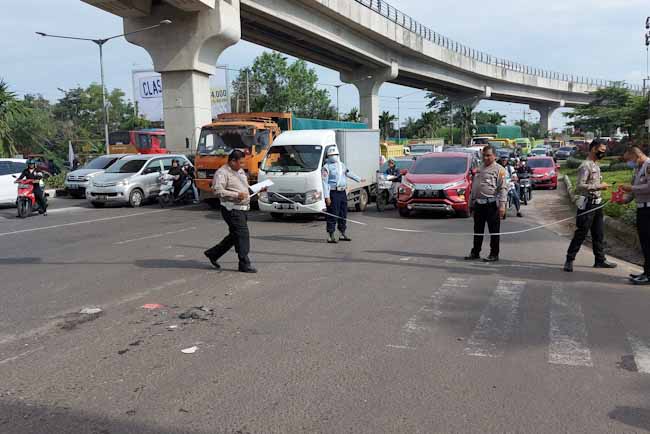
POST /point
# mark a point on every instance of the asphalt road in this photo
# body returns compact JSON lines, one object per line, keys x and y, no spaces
{"x":393,"y":332}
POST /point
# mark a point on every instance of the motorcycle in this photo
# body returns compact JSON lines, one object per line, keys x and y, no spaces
{"x":386,"y":191}
{"x":166,"y":194}
{"x":525,"y":188}
{"x":26,"y":201}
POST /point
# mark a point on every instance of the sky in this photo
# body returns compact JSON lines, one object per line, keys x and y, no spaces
{"x":596,"y":38}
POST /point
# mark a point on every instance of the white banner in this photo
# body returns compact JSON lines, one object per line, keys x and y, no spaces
{"x":148,"y":92}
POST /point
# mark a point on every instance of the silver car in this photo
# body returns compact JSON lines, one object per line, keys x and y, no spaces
{"x":76,"y":182}
{"x":131,"y":180}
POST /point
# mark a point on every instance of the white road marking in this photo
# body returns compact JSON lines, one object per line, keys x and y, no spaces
{"x":43,"y":228}
{"x":568,"y":334}
{"x":641,"y":352}
{"x":497,"y":320}
{"x":66,"y":209}
{"x":148,"y":237}
{"x":433,"y":310}
{"x":18,"y":356}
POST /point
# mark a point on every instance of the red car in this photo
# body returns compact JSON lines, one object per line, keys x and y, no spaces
{"x":437,"y":182}
{"x":544,"y":172}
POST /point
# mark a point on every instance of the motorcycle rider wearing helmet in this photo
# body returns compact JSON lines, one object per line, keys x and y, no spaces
{"x":335,"y":175}
{"x":32,"y":173}
{"x":176,"y":172}
{"x":188,"y":173}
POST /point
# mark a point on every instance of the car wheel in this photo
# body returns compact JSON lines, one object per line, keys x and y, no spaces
{"x":136,"y":198}
{"x":362,"y":205}
{"x":98,"y":204}
{"x":404,"y":212}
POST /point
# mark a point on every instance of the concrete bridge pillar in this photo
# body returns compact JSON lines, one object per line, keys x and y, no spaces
{"x":186,"y":53}
{"x":545,"y":114}
{"x":368,"y":82}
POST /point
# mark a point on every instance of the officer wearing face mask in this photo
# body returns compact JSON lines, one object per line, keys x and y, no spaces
{"x":588,"y":187}
{"x":639,"y":190}
{"x":335,"y":175}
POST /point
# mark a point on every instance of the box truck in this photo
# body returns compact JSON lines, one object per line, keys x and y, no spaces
{"x":294,"y":164}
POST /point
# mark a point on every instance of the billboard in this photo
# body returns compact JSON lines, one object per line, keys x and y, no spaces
{"x":148,"y":92}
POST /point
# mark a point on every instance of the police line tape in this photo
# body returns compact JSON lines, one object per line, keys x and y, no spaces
{"x":462,"y":234}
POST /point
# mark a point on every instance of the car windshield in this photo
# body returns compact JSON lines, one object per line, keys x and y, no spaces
{"x":421,"y":149}
{"x":566,"y":149}
{"x":126,"y":166}
{"x":100,"y":163}
{"x":399,"y":164}
{"x":440,"y":166}
{"x":536,"y":164}
{"x":539,"y":151}
{"x":293,"y":158}
{"x":10,"y":167}
{"x":223,"y":140}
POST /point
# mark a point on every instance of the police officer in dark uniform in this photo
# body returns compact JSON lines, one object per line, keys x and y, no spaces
{"x":640,"y":191}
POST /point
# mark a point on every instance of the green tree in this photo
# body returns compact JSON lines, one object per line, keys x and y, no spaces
{"x":278,"y":86}
{"x":11,"y":111}
{"x":494,"y":118}
{"x":386,"y":128}
{"x":352,"y":116}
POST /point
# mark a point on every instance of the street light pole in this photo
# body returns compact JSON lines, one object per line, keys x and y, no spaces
{"x":338,"y":113}
{"x":100,"y":43}
{"x":399,"y":122}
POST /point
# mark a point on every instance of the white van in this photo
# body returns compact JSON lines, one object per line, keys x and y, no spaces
{"x":294,"y":164}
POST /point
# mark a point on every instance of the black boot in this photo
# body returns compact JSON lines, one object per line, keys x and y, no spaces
{"x":568,"y":266}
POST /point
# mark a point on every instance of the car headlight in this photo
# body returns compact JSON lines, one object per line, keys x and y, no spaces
{"x":454,"y":184}
{"x":264,"y":197}
{"x":123,"y":182}
{"x":83,"y":179}
{"x":406,"y":185}
{"x":313,"y":196}
{"x":551,"y":173}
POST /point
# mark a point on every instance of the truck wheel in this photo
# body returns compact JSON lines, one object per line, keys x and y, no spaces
{"x":362,"y":205}
{"x":404,"y":212}
{"x":136,"y":198}
{"x":277,"y":215}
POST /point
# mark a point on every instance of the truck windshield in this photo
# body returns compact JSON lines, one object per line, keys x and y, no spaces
{"x":421,"y":149}
{"x":223,"y":140}
{"x":440,"y":166}
{"x":293,"y":158}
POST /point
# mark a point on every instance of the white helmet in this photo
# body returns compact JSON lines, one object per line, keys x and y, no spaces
{"x":333,"y":150}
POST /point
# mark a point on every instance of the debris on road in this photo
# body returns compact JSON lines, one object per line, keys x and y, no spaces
{"x":124,"y":351}
{"x":90,"y":310}
{"x":136,"y":343}
{"x":72,"y":320}
{"x":190,"y":350}
{"x":197,"y":312}
{"x":152,"y":306}
{"x":182,"y":410}
{"x":130,"y":412}
{"x":172,"y":327}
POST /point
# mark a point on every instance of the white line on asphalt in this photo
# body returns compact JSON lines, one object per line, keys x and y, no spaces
{"x":154,"y":236}
{"x":497,"y":320}
{"x":22,"y":231}
{"x":18,"y":356}
{"x":568,"y":334}
{"x":414,"y":325}
{"x":67,"y":208}
{"x":641,"y":352}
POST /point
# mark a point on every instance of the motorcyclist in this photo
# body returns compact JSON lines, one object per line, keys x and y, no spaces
{"x":33,"y":174}
{"x":189,"y":173}
{"x":177,"y":174}
{"x":513,"y":184}
{"x":392,"y":170}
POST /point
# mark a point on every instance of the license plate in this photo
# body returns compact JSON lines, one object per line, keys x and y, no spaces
{"x":284,"y":206}
{"x":101,"y":196}
{"x":73,"y":186}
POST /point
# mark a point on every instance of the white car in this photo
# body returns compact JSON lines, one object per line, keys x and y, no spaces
{"x":10,"y":167}
{"x":76,"y":182}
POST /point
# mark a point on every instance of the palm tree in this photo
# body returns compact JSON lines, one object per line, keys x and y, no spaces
{"x":10,"y":111}
{"x":353,"y":116}
{"x":496,"y":118}
{"x":386,"y":124}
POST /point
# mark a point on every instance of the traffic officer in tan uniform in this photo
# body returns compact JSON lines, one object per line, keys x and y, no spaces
{"x":488,"y":204}
{"x":589,"y":184}
{"x":640,"y":191}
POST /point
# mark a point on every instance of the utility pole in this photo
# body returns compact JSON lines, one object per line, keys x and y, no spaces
{"x":399,"y":122}
{"x":248,"y":94}
{"x":451,"y":123}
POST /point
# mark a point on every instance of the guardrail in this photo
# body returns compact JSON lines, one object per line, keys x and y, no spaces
{"x":385,"y":9}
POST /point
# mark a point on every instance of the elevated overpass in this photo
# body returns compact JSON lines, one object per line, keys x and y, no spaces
{"x":368,"y":41}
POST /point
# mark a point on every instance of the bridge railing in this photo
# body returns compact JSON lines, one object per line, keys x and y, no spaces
{"x":384,"y":8}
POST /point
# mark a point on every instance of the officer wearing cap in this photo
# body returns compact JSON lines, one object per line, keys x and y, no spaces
{"x":335,"y":175}
{"x":488,"y":204}
{"x":640,"y":191}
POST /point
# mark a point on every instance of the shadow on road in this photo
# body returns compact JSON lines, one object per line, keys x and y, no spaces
{"x":632,"y":416}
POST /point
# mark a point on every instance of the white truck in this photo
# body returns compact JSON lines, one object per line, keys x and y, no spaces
{"x":294,"y":164}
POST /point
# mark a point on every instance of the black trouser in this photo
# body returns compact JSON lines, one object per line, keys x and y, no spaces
{"x":39,"y":194}
{"x":338,"y":207}
{"x":585,"y":222}
{"x":238,"y":237}
{"x":486,"y":213}
{"x":643,"y":228}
